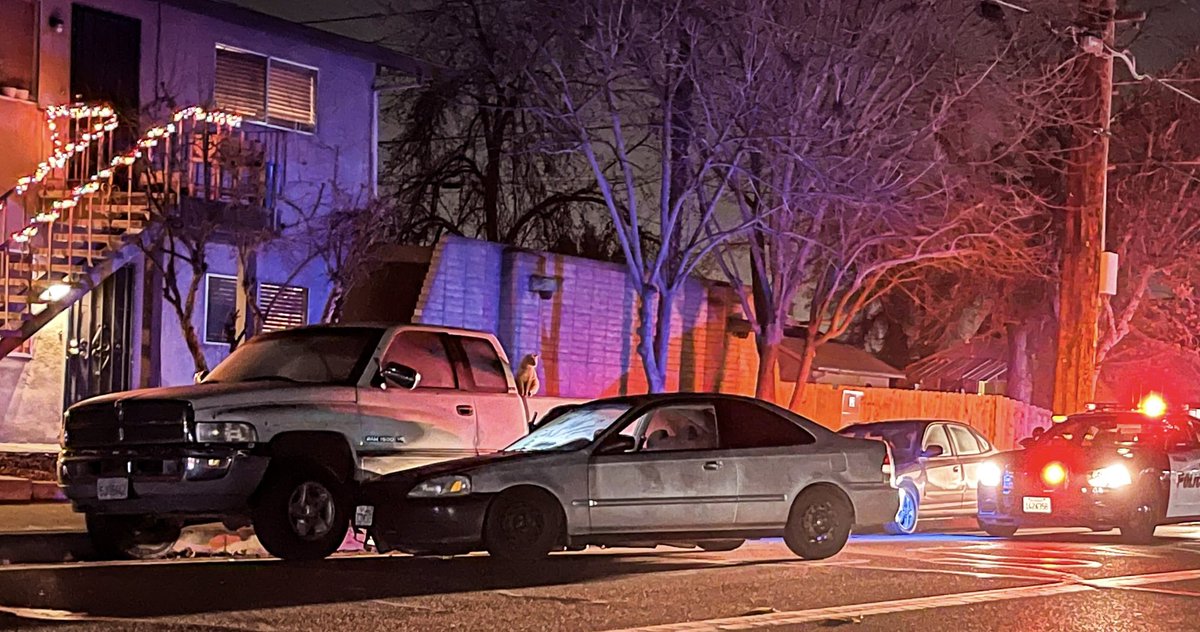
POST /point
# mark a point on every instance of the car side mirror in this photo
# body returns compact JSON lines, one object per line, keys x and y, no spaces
{"x":199,"y":376}
{"x":932,"y":452}
{"x":617,"y":444}
{"x":400,"y":375}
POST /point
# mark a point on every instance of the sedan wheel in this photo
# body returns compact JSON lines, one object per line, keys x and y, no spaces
{"x":819,"y":523}
{"x":906,"y":515}
{"x":523,"y":525}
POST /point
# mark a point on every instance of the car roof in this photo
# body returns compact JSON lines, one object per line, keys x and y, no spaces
{"x":658,"y":398}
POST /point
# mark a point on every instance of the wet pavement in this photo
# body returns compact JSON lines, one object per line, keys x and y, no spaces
{"x":964,"y":581}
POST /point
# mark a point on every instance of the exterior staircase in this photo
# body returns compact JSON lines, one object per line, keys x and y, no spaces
{"x":90,"y":208}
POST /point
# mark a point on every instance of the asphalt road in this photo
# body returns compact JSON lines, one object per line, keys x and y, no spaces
{"x":960,"y":582}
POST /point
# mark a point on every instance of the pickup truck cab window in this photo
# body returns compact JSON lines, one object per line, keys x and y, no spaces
{"x":424,"y":351}
{"x":488,"y":373}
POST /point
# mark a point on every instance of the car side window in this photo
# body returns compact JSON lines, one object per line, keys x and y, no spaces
{"x":748,"y":425}
{"x":984,"y":446}
{"x":425,"y":352}
{"x":935,"y":434}
{"x":487,"y":371}
{"x":965,"y":443}
{"x":680,"y":428}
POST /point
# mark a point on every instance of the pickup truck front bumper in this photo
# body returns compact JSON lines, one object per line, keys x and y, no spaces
{"x":164,"y":481}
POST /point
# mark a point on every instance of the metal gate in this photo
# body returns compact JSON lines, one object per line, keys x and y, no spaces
{"x":99,"y":329}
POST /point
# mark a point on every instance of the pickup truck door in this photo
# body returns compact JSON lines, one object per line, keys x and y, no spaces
{"x":401,"y":428}
{"x":499,"y":411}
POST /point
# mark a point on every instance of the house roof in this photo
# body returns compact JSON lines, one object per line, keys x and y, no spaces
{"x":974,"y":361}
{"x":243,"y":16}
{"x":834,"y":357}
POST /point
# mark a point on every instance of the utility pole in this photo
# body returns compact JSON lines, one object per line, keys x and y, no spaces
{"x":1083,"y":238}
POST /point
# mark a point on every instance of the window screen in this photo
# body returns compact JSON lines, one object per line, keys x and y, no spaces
{"x":487,"y":371}
{"x":241,"y":83}
{"x":283,"y":306}
{"x":748,"y":425}
{"x":424,"y":352}
{"x":220,"y":307}
{"x":291,"y":95}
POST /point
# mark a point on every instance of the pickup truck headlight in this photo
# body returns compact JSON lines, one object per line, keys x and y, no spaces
{"x":1111,"y":477}
{"x":225,"y":432}
{"x":442,"y":486}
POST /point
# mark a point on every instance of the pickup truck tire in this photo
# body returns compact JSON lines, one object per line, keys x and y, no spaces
{"x":523,"y":525}
{"x":819,"y":523}
{"x":303,"y":511}
{"x":131,"y":537}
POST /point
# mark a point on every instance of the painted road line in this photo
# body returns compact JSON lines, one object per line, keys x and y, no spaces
{"x":797,"y":617}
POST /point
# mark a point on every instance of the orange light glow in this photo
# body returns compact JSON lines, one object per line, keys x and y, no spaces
{"x":1054,"y":474}
{"x":1153,"y":405}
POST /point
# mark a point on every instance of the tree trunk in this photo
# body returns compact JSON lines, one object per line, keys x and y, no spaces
{"x":648,"y":344}
{"x":1020,"y":381}
{"x":806,"y":365}
{"x":767,"y":344}
{"x":193,"y":344}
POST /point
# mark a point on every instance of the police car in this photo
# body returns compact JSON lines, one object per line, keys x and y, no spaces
{"x":1106,"y":468}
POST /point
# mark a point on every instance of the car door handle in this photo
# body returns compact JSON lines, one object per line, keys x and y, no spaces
{"x":712,"y":465}
{"x":465,"y":410}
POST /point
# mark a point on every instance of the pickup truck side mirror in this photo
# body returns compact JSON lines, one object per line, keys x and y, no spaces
{"x":616,"y":444}
{"x":199,"y":376}
{"x":932,"y":452}
{"x":400,"y":375}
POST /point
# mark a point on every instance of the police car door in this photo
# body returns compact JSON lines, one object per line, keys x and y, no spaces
{"x":1183,"y":454}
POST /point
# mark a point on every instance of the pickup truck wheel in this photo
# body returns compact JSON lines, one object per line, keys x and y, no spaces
{"x":302,"y":512}
{"x":131,"y":537}
{"x":522,"y":525}
{"x":819,"y":523}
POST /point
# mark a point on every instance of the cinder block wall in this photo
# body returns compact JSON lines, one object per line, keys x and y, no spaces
{"x":586,"y":331}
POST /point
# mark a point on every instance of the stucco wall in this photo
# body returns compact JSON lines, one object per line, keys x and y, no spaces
{"x":31,"y":389}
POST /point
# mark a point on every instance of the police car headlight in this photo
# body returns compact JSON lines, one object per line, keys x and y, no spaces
{"x":441,"y":487}
{"x":1111,"y":477}
{"x":989,"y":474}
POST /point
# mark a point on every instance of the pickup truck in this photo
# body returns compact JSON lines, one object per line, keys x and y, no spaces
{"x":280,"y":434}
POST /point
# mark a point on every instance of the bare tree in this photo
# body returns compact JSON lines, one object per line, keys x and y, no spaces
{"x":652,"y":94}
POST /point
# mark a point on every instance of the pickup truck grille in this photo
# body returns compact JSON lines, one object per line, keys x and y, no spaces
{"x":127,"y":423}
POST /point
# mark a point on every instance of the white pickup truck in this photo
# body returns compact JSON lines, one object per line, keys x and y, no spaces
{"x":281,"y":432}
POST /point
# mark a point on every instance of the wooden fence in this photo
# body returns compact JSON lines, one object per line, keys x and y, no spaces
{"x":1003,"y":421}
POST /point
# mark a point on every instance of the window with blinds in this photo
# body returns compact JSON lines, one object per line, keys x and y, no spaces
{"x":282,"y":306}
{"x":266,"y":90}
{"x":220,"y":307}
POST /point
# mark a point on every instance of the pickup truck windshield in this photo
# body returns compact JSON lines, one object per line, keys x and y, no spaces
{"x":572,"y":430}
{"x":304,"y":356}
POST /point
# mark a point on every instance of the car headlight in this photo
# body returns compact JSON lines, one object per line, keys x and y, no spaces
{"x":989,"y":474}
{"x":442,"y":486}
{"x":225,"y":432}
{"x":1111,"y":477}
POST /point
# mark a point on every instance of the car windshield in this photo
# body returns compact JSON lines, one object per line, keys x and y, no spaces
{"x":903,"y":436}
{"x":304,"y":356}
{"x":572,"y":430}
{"x":1090,"y":430}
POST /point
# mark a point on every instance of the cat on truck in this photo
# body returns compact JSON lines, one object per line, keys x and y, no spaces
{"x":279,"y":435}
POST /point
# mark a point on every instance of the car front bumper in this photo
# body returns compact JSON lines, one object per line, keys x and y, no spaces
{"x":1068,"y":508}
{"x":179,"y":481}
{"x":414,"y":525}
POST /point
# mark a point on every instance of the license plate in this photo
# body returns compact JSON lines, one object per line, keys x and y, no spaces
{"x":112,"y":488}
{"x":1035,"y":504}
{"x":364,"y":516}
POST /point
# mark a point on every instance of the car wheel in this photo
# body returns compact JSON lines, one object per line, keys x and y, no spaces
{"x":302,"y":512}
{"x":716,"y":546}
{"x":523,"y":525}
{"x":131,"y":537}
{"x":906,"y":516}
{"x":1140,"y":527}
{"x":819,"y":523}
{"x":997,"y":530}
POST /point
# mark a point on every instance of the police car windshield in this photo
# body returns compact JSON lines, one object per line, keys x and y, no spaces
{"x":1116,"y":429}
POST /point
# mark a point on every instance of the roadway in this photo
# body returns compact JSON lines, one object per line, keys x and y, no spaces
{"x":961,"y":581}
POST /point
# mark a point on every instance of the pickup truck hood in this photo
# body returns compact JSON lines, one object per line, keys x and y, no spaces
{"x":233,"y":395}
